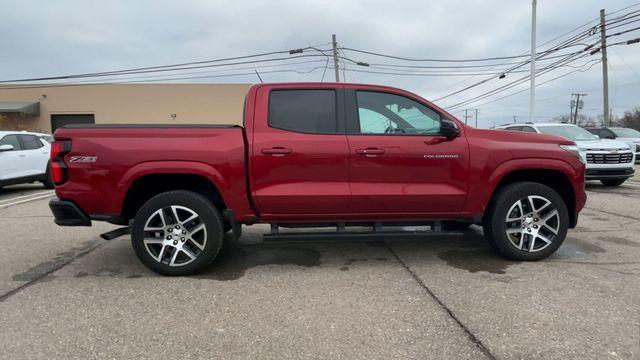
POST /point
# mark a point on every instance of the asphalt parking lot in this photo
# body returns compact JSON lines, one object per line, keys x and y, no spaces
{"x":64,"y":293}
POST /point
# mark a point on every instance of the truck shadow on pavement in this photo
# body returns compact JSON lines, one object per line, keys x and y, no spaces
{"x":469,"y":252}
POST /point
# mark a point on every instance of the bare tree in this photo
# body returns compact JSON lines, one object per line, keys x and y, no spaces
{"x":631,"y":118}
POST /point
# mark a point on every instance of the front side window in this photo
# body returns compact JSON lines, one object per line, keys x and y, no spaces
{"x":389,"y":114}
{"x":30,"y":142}
{"x":11,"y":140}
{"x":306,"y":111}
{"x":626,"y":132}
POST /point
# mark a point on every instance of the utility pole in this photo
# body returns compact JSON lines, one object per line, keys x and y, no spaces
{"x":578,"y":105}
{"x":466,"y":115}
{"x":605,"y":74}
{"x":515,"y":119}
{"x":476,"y":118}
{"x":335,"y":57}
{"x":532,"y":91}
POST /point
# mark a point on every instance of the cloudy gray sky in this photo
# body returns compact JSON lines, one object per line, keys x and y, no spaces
{"x":43,"y":38}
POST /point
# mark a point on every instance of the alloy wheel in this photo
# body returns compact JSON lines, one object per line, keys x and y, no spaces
{"x":532,"y":223}
{"x":174,"y":235}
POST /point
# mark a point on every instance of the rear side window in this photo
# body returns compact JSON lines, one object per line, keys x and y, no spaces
{"x":528,"y":129}
{"x":306,"y":111}
{"x":30,"y":142}
{"x":11,"y":140}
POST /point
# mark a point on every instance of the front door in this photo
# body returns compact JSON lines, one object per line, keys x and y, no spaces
{"x":400,"y":164}
{"x":300,"y":156}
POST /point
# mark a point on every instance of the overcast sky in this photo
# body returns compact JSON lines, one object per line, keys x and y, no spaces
{"x":67,"y":37}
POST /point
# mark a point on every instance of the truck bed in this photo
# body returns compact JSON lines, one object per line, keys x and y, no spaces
{"x":105,"y":160}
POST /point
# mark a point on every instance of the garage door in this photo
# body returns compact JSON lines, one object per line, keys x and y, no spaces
{"x":68,"y":119}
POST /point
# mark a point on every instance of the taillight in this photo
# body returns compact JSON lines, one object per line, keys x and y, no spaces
{"x":58,"y":169}
{"x":59,"y":149}
{"x":58,"y":172}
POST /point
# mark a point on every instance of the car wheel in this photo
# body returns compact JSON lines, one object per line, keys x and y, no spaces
{"x":528,"y":221}
{"x":47,"y":181}
{"x":612,"y":182}
{"x":177,"y":233}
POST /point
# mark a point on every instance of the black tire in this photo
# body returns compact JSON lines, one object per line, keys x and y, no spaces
{"x":206,"y":211}
{"x":47,"y":181}
{"x":455,"y":225}
{"x":495,"y":224}
{"x":226,"y":226}
{"x":612,"y":182}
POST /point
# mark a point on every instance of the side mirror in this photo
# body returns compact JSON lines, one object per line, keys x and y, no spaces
{"x":449,"y":129}
{"x":6,"y":147}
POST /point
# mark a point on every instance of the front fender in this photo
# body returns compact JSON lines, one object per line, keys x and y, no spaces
{"x":484,"y":185}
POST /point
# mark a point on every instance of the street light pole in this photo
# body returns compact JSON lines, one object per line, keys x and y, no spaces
{"x":605,"y":76}
{"x":532,"y":91}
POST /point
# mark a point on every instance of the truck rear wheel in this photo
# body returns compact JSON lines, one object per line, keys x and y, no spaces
{"x":527,"y":221}
{"x":177,"y":233}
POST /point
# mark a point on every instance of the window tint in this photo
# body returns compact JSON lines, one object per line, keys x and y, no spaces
{"x":515,"y":128}
{"x":307,"y":111}
{"x":11,"y":140}
{"x":30,"y":142}
{"x":381,"y":113}
{"x":528,"y":129}
{"x":607,"y":134}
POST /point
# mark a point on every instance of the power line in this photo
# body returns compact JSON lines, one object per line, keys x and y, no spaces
{"x":540,"y":84}
{"x":156,"y":80}
{"x":181,"y":66}
{"x":517,"y":81}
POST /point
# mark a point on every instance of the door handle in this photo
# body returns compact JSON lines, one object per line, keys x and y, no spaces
{"x":371,"y":151}
{"x":22,"y":155}
{"x":276,"y":151}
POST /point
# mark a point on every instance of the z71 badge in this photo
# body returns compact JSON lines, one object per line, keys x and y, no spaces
{"x":83,"y":159}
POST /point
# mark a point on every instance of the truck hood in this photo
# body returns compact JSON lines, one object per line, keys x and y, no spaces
{"x":602,"y":144}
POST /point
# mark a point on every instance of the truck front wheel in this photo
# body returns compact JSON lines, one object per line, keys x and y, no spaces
{"x":177,"y":233}
{"x":527,"y":221}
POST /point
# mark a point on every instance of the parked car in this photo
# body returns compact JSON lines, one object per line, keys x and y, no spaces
{"x":24,"y":157}
{"x":46,"y":137}
{"x":628,"y":135}
{"x":317,"y":155}
{"x":609,"y":161}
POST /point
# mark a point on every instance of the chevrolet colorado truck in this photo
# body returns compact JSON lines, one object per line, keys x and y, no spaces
{"x":368,"y":161}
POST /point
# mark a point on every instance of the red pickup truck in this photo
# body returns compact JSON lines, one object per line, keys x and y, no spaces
{"x":317,"y":155}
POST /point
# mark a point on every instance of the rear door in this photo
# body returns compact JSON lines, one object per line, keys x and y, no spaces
{"x":300,"y":157}
{"x":36,"y":154}
{"x":400,"y":164}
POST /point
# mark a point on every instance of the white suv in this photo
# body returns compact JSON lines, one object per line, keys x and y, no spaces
{"x":609,"y":161}
{"x":24,"y":157}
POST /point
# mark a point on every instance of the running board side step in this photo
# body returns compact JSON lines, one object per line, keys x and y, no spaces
{"x":341,"y":233}
{"x":110,"y":235}
{"x":355,"y":236}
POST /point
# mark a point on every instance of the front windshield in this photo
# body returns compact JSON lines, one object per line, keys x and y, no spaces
{"x":626,"y":132}
{"x":569,"y":131}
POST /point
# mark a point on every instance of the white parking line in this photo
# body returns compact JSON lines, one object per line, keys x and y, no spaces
{"x":633,"y":184}
{"x":24,"y":199}
{"x":11,"y":199}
